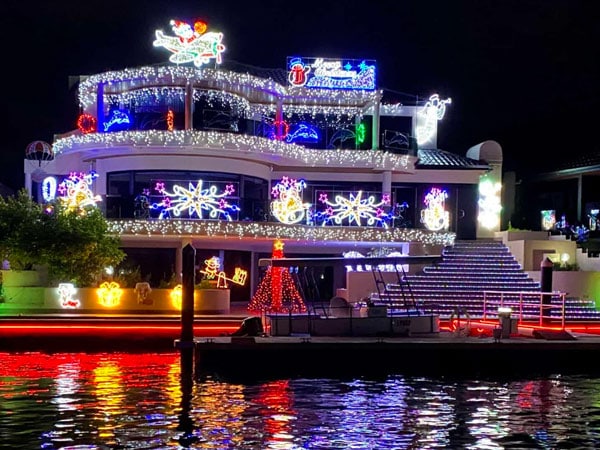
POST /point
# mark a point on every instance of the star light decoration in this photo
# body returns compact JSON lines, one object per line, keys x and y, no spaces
{"x":354,"y":210}
{"x":288,"y":206}
{"x":196,"y":200}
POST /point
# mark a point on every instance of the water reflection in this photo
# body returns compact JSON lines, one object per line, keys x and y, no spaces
{"x":112,"y":400}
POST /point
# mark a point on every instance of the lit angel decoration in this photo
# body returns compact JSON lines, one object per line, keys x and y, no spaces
{"x":76,"y":192}
{"x":196,"y":200}
{"x":434,"y":216}
{"x":354,"y":209}
{"x":191,"y":44}
{"x":434,"y":110}
{"x":287,"y":206}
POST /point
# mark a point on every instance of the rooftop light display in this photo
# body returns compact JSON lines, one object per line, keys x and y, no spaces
{"x":326,"y":73}
{"x":191,"y":43}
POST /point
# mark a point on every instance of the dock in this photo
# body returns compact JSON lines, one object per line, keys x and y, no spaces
{"x":443,"y":354}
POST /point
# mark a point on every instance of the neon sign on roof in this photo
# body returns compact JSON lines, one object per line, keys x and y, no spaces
{"x":324,"y":73}
{"x":191,"y":43}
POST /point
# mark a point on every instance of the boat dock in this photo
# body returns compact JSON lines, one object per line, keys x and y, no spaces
{"x":444,"y":354}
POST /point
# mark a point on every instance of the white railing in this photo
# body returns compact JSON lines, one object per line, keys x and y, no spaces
{"x":516,"y":300}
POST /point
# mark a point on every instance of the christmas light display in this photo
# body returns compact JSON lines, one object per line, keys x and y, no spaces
{"x":277,"y":292}
{"x":49,"y":186}
{"x":288,"y":206}
{"x":66,"y":291}
{"x":87,"y":123}
{"x":489,"y":203}
{"x":191,"y":44}
{"x":434,"y":216}
{"x":327,"y":73}
{"x":119,"y":120}
{"x":353,"y":210}
{"x":143,"y":290}
{"x":432,"y":112}
{"x":196,"y":200}
{"x":303,"y":132}
{"x":270,"y":231}
{"x":170,"y":120}
{"x":176,"y":295}
{"x":109,"y":294}
{"x":548,"y":219}
{"x":173,"y":80}
{"x":76,"y":192}
{"x":212,"y":270}
{"x":237,"y":143}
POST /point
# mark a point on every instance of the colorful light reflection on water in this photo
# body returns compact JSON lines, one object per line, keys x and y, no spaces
{"x":120,"y":400}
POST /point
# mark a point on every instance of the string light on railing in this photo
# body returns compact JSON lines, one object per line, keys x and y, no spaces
{"x":379,"y":159}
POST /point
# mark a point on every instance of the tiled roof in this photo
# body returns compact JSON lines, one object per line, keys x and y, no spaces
{"x":581,"y":161}
{"x":441,"y":159}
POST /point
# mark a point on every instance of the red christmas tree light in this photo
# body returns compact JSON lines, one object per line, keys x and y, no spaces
{"x":277,"y":292}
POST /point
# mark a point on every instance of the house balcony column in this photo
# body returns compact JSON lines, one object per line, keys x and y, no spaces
{"x":189,"y":106}
{"x":279,"y":120}
{"x":375,"y":131}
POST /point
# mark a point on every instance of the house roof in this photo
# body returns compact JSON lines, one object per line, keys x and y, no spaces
{"x":442,"y":159}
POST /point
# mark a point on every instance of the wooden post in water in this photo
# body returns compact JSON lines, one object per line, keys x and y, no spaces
{"x":187,"y":294}
{"x":546,"y":285}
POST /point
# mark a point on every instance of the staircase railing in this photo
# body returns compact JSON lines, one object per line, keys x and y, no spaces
{"x":492,"y":300}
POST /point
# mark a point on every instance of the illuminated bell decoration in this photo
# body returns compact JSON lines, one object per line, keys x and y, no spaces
{"x":109,"y":294}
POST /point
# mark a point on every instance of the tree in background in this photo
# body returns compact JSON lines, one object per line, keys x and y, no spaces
{"x":73,"y":244}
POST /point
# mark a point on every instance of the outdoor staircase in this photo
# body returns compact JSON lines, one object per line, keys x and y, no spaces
{"x":456,"y":285}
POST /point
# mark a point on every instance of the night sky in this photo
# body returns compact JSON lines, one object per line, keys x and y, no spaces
{"x":523,"y":73}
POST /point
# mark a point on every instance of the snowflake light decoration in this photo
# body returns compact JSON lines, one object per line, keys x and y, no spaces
{"x":354,"y":209}
{"x":196,"y":200}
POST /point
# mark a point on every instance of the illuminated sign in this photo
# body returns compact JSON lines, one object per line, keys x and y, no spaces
{"x":191,"y":43}
{"x":324,"y":73}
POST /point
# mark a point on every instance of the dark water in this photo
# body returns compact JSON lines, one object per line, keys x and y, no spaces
{"x":142,"y":401}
